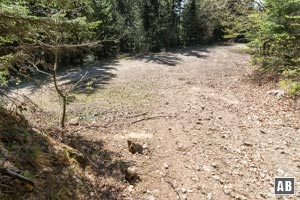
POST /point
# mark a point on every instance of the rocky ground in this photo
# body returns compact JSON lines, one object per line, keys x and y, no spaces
{"x":210,"y":129}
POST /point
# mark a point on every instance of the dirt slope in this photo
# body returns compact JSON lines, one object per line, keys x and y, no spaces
{"x":211,"y":131}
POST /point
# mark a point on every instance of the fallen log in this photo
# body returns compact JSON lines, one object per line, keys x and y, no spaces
{"x":19,"y":177}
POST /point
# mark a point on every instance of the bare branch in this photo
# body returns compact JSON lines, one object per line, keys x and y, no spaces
{"x":78,"y":82}
{"x":16,"y":176}
{"x":37,"y":69}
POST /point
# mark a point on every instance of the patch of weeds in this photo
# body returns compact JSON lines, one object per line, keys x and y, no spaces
{"x":90,"y":85}
{"x":243,"y":50}
{"x":98,"y":113}
{"x":57,"y":169}
{"x":111,"y":99}
{"x":63,"y":193}
{"x":291,"y":81}
{"x":290,"y":85}
{"x":71,"y":99}
{"x":28,"y":174}
{"x":295,"y":89}
{"x":33,"y":152}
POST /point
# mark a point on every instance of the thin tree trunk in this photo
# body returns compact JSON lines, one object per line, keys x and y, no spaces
{"x":61,"y":94}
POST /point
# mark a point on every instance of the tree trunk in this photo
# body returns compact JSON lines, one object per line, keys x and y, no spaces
{"x":61,"y":94}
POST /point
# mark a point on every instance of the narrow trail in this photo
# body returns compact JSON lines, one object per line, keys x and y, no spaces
{"x":212,"y":133}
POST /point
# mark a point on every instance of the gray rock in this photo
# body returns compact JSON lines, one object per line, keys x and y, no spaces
{"x":78,"y":180}
{"x":130,"y":188}
{"x":209,"y":196}
{"x":215,"y":165}
{"x":184,"y":196}
{"x":228,"y":189}
{"x":206,"y":168}
{"x":263,"y":145}
{"x":280,"y":172}
{"x":197,"y":167}
{"x":225,"y":136}
{"x":151,"y":198}
{"x":263,"y":175}
{"x":240,"y":197}
{"x":47,"y":170}
{"x":131,"y":174}
{"x":216,"y":177}
{"x":277,"y":93}
{"x":195,"y":178}
{"x":74,"y":121}
{"x":244,"y":162}
{"x":263,"y":132}
{"x":166,"y":166}
{"x":247,"y":143}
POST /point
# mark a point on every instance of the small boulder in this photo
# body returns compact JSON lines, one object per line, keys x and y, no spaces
{"x":135,"y":147}
{"x":74,"y":121}
{"x":166,"y":166}
{"x":131,"y":175}
{"x":151,"y":197}
{"x":209,"y":196}
{"x":277,"y":93}
{"x":228,"y":189}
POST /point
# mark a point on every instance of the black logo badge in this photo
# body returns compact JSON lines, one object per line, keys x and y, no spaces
{"x":284,"y":186}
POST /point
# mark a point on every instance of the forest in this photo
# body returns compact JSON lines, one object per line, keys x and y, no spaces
{"x":148,"y":99}
{"x":32,"y":31}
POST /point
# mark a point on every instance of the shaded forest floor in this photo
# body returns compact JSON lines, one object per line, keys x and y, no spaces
{"x":211,"y":129}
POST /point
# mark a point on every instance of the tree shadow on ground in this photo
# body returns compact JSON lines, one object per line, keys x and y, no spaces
{"x":76,"y":169}
{"x":88,"y":79}
{"x":160,"y":58}
{"x":103,"y":161}
{"x":198,"y":52}
{"x":85,"y":78}
{"x":194,"y":53}
{"x":171,"y":56}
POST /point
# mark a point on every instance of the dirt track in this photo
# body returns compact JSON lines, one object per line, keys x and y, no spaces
{"x":212,"y":132}
{"x":223,"y":137}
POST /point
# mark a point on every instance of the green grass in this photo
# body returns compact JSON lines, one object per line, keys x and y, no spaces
{"x":113,"y":98}
{"x":292,"y":87}
{"x":243,"y":49}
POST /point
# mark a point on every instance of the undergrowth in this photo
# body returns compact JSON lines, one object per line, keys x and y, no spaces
{"x":68,"y":167}
{"x":287,"y":76}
